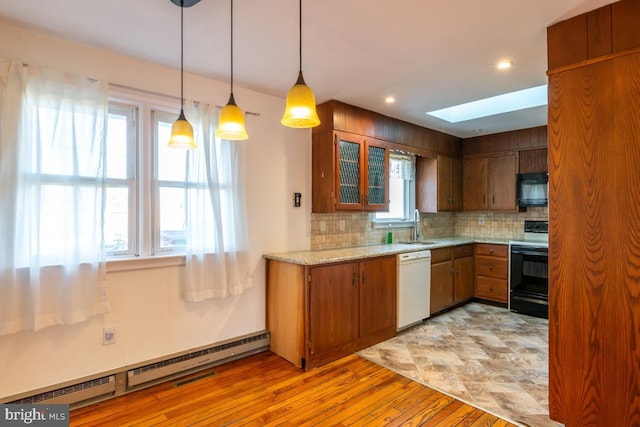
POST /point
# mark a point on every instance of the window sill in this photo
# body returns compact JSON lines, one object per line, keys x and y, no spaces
{"x":393,"y":223}
{"x":141,"y":263}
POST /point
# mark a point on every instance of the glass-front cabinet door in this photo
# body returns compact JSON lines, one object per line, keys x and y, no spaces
{"x":362,"y":171}
{"x":377,"y":185}
{"x":349,"y":177}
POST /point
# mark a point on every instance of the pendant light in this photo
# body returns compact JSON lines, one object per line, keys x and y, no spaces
{"x":181,"y":130}
{"x":300,"y":110}
{"x":231,"y":121}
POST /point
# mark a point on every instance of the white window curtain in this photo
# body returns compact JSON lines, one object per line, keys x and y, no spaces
{"x":217,"y":258}
{"x":52,"y":133}
{"x":402,"y":166}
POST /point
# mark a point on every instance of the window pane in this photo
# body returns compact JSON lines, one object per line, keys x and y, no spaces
{"x":172,"y":217}
{"x":117,"y":139}
{"x":58,"y":236}
{"x":171,"y":161}
{"x":116,"y":219}
{"x":397,"y":201}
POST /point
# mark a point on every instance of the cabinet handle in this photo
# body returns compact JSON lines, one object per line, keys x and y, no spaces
{"x":491,"y":267}
{"x":364,"y":277}
{"x":353,"y":279}
{"x":484,"y":199}
{"x":490,"y":250}
{"x":451,"y":272}
{"x":493,"y":199}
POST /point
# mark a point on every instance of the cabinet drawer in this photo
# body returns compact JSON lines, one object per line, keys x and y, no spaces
{"x":463,"y":251}
{"x":493,"y":289}
{"x":441,"y":255}
{"x":492,"y":267}
{"x":492,"y":250}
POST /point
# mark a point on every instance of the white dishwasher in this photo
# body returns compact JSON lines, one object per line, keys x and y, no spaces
{"x":414,"y":287}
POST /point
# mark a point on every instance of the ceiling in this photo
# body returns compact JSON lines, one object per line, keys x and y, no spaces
{"x":428,"y":54}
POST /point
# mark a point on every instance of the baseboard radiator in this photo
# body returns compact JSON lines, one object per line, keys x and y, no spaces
{"x":131,"y":378}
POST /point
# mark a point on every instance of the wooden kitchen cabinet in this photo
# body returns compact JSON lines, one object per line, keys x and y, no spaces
{"x":490,"y":182}
{"x":463,"y":289}
{"x":492,"y":272}
{"x":319,"y":313}
{"x":349,"y":173}
{"x":438,"y":184}
{"x":451,"y":276}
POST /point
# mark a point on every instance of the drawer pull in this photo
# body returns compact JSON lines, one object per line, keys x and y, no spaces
{"x":491,"y":267}
{"x":490,"y":250}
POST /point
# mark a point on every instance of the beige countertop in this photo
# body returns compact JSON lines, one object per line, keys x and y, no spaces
{"x":326,"y":256}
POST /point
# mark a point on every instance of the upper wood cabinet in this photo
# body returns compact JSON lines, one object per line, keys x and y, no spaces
{"x":475,"y":184}
{"x":533,"y":161}
{"x":438,"y":184}
{"x":490,"y":183}
{"x":349,"y":173}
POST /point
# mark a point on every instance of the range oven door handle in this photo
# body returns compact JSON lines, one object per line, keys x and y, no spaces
{"x":531,"y":252}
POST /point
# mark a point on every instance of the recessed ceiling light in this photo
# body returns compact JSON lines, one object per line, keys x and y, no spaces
{"x":513,"y":101}
{"x":389,"y":100}
{"x":504,"y":65}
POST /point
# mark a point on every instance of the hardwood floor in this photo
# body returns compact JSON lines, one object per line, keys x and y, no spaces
{"x":265,"y":390}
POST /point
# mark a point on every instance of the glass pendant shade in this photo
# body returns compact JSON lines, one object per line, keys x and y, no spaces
{"x":182,"y":133}
{"x":300,"y":110}
{"x":231,"y":122}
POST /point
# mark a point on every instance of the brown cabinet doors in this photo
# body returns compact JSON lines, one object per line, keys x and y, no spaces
{"x":475,"y":184}
{"x":439,"y":184}
{"x":490,"y":183}
{"x":333,"y":302}
{"x":362,"y":173}
{"x":502,"y":182}
{"x":463,"y":276}
{"x":377,"y":295}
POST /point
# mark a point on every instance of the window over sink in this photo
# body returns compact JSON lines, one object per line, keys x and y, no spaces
{"x":402,"y":192}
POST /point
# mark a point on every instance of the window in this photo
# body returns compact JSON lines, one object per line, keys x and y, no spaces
{"x":120,"y":166}
{"x":150,"y":185}
{"x":170,"y":165}
{"x":145,"y":179}
{"x":401,"y":190}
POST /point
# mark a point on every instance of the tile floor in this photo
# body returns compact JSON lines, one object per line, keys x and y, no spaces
{"x":487,"y":356}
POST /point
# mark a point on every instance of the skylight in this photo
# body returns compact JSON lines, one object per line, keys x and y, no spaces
{"x":514,"y":101}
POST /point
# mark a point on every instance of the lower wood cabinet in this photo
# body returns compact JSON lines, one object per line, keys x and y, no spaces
{"x":492,"y":272}
{"x":451,"y":276}
{"x":317,"y":314}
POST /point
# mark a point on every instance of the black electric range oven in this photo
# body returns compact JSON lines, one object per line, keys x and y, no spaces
{"x":529,"y":271}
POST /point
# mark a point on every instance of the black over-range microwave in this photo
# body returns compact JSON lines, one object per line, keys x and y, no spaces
{"x":532,"y":189}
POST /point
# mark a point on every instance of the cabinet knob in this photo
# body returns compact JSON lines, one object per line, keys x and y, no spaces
{"x":490,"y":289}
{"x":491,"y":267}
{"x":490,"y":250}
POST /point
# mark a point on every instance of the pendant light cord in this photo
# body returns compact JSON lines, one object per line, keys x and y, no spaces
{"x":231,"y":47}
{"x":182,"y":55}
{"x":300,"y":35}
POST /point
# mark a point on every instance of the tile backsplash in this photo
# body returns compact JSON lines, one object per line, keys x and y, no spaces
{"x":336,"y":230}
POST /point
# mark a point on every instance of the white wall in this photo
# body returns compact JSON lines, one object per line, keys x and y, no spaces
{"x":151,"y":318}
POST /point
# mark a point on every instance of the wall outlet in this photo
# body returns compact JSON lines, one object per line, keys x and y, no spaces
{"x":108,"y":335}
{"x":481,"y":220}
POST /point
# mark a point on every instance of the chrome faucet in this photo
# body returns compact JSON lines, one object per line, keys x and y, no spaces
{"x":416,"y":224}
